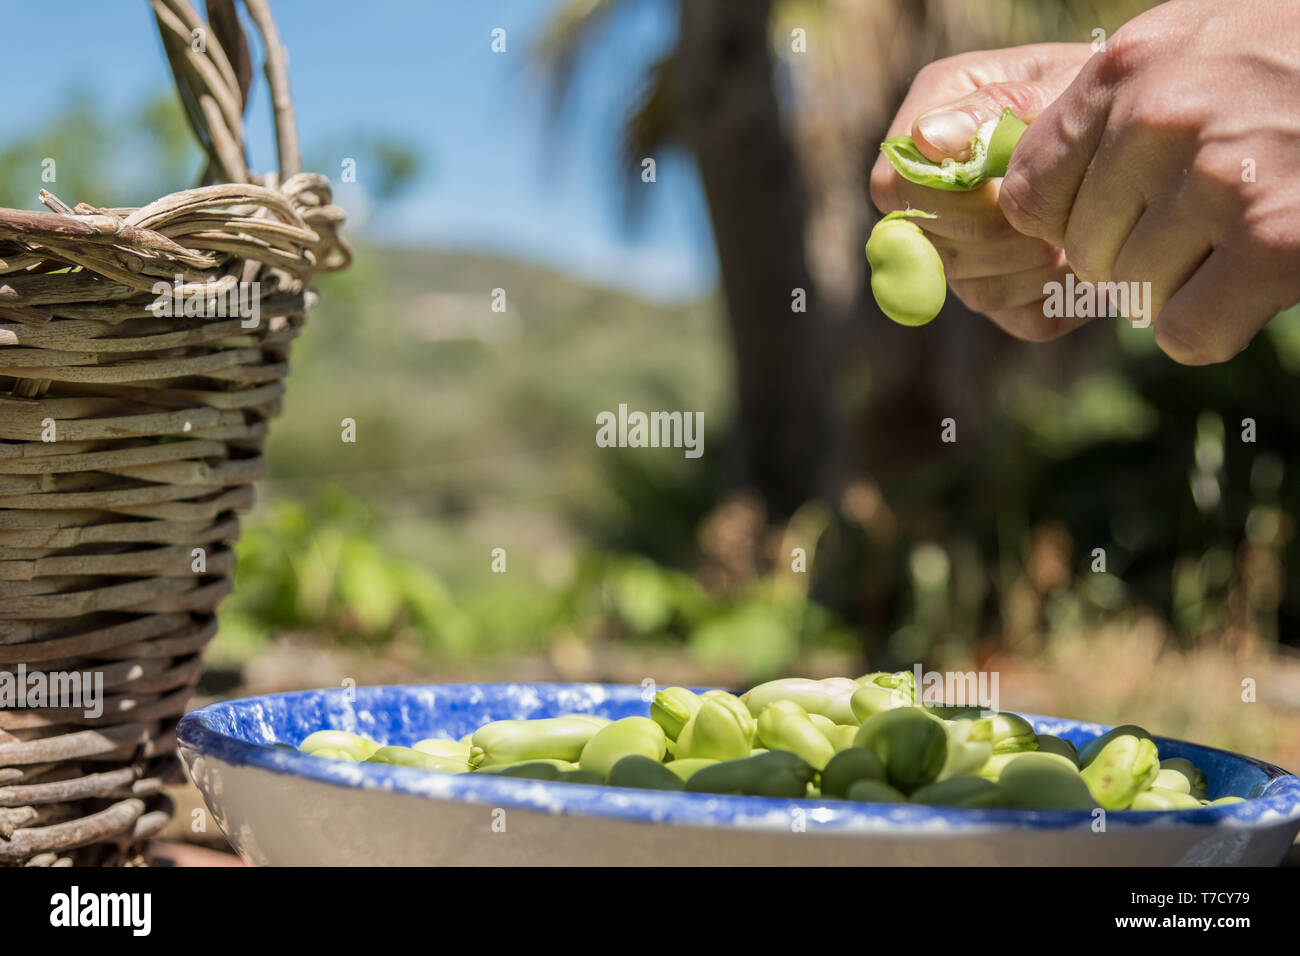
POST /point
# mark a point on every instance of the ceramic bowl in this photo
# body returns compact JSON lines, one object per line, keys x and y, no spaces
{"x":280,"y":807}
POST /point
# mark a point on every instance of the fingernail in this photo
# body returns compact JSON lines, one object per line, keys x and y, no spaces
{"x":948,"y":130}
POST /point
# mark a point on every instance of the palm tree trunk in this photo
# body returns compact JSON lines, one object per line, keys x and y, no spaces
{"x":731,"y":121}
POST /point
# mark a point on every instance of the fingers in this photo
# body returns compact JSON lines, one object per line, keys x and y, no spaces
{"x":953,"y":78}
{"x":1010,"y":252}
{"x":1050,"y":162}
{"x":1159,"y":257}
{"x":946,"y":131}
{"x":1215,"y":314}
{"x":1015,"y":301}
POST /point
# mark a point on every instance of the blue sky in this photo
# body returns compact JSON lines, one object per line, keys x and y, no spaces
{"x":497,"y":176}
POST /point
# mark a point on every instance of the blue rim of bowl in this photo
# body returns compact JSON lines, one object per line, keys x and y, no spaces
{"x":1277,"y":805}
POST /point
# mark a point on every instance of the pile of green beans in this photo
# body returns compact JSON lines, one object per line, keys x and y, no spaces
{"x":866,"y":739}
{"x":907,"y":276}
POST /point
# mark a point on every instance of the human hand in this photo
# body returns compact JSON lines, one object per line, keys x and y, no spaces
{"x":1171,"y":160}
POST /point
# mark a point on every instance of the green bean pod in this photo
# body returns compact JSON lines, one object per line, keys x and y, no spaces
{"x":848,"y":767}
{"x":990,"y":154}
{"x":1121,"y":770}
{"x":635,"y":770}
{"x":631,"y":735}
{"x":516,"y":741}
{"x":1043,"y":781}
{"x":672,"y":707}
{"x":912,"y":745}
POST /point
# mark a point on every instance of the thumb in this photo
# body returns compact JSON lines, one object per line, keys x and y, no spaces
{"x":946,"y":131}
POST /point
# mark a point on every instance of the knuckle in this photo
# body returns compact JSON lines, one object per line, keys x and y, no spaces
{"x":1131,"y":46}
{"x":1025,"y":208}
{"x":1187,"y":347}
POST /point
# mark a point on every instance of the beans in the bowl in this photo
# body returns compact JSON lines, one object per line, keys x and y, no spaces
{"x":867,"y":740}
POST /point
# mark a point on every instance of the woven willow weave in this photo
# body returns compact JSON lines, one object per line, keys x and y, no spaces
{"x":130,"y":438}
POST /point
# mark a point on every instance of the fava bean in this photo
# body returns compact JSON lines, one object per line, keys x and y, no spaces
{"x":907,"y":277}
{"x":1172,"y":780}
{"x":722,"y":729}
{"x":631,"y":735}
{"x":965,"y":756}
{"x":1009,"y":733}
{"x":1042,"y":781}
{"x":579,"y":776}
{"x":1093,"y":747}
{"x":912,"y":745}
{"x":638,"y":771}
{"x":517,"y":741}
{"x":824,"y":724}
{"x":784,"y":725}
{"x":1121,"y":770}
{"x":995,"y":765}
{"x":531,"y":769}
{"x":410,"y":757}
{"x":590,"y":718}
{"x":1161,"y":798}
{"x":672,"y":707}
{"x":963,"y":791}
{"x":1058,"y":745}
{"x":778,"y":773}
{"x":873,"y":791}
{"x":439,"y":747}
{"x":331,"y":753}
{"x":353,"y":744}
{"x":841,"y":736}
{"x":685,"y":769}
{"x":1195,"y":778}
{"x":828,"y":698}
{"x":848,"y":767}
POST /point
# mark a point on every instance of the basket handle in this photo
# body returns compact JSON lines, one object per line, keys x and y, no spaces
{"x":213,"y":79}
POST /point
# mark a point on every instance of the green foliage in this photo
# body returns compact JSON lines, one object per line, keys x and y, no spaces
{"x":102,"y":159}
{"x":327,"y":569}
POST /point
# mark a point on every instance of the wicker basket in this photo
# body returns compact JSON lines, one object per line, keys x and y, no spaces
{"x":129,"y":439}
